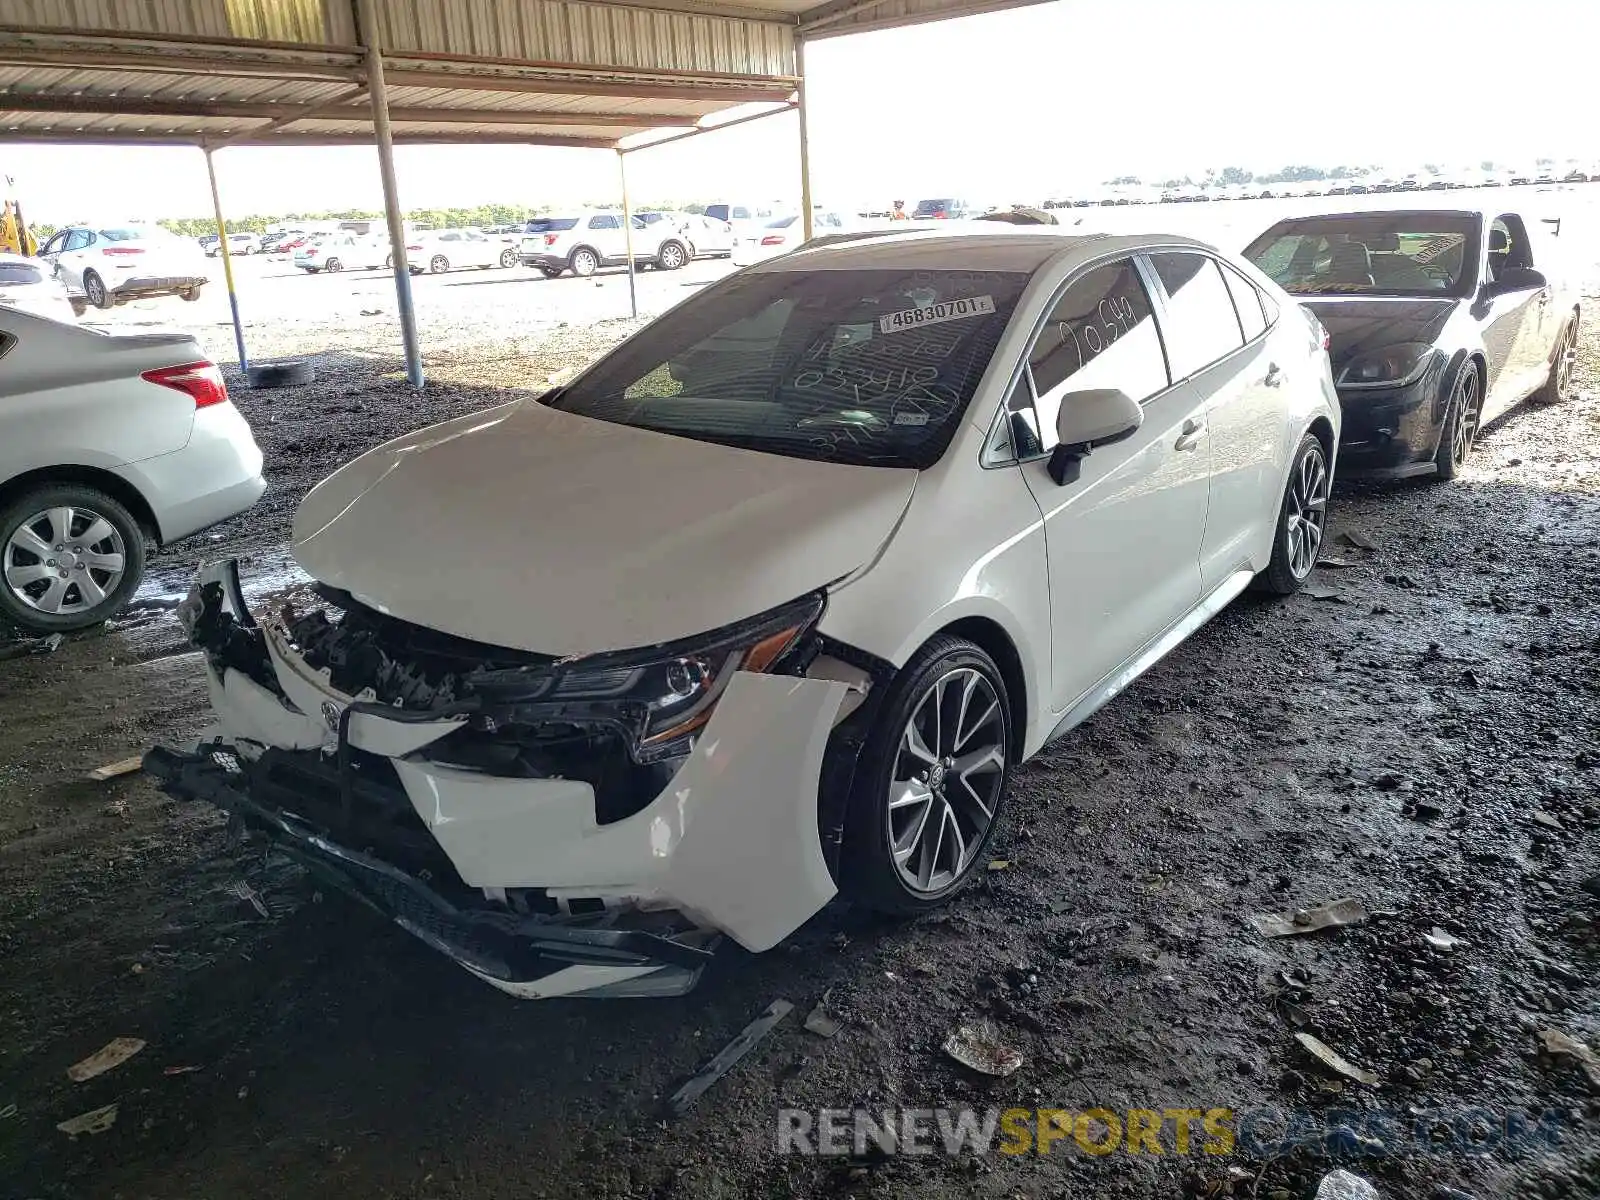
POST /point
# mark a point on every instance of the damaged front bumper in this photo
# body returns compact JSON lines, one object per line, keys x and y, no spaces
{"x":532,"y":879}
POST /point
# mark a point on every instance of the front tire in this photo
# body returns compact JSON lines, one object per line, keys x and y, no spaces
{"x":333,"y":265}
{"x":70,"y":556}
{"x":94,"y":290}
{"x":438,"y":264}
{"x":933,"y":780}
{"x":509,"y":258}
{"x":1460,"y":423}
{"x":1302,"y":520}
{"x":1558,"y":387}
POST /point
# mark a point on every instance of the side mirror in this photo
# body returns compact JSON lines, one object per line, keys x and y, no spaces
{"x":1087,"y":419}
{"x":1517,"y":279}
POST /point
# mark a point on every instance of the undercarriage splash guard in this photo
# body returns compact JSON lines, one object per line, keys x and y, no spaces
{"x":527,"y":957}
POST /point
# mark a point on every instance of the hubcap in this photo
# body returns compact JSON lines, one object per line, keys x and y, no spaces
{"x":64,"y":560}
{"x":1307,"y":513}
{"x":946,"y":781}
{"x":1466,"y":425}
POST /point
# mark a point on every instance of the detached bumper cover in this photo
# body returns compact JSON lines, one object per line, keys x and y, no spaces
{"x":522,"y":956}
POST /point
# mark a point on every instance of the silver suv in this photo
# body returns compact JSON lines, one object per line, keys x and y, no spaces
{"x":583,"y":244}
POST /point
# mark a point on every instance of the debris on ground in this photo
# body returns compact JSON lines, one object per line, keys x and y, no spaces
{"x":96,"y":1120}
{"x":1359,"y":539}
{"x":1328,"y":560}
{"x":1322,"y":593}
{"x":1548,"y":820}
{"x":1342,"y":1185}
{"x":33,"y":646}
{"x":179,"y":1070}
{"x":248,"y":894}
{"x":123,"y":766}
{"x":1308,"y":920}
{"x":728,"y":1056}
{"x":999,"y":864}
{"x":113,"y":1054}
{"x":1559,"y":1045}
{"x":1335,"y":1061}
{"x":820,"y":1023}
{"x":977,"y":1046}
{"x":1440,"y":940}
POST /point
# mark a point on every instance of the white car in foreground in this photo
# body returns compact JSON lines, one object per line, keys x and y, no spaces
{"x":822,"y":556}
{"x":440,"y":250}
{"x":107,"y":440}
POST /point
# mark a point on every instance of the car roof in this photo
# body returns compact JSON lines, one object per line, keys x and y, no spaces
{"x":995,"y":248}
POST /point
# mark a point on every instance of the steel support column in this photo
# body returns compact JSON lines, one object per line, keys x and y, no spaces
{"x":227,"y":261}
{"x":627,"y":235}
{"x":805,"y":137}
{"x":377,"y":93}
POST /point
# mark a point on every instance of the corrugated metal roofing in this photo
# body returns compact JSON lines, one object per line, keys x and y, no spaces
{"x":291,"y":71}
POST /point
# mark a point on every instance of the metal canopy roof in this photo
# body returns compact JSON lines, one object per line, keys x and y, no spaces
{"x":292,"y":72}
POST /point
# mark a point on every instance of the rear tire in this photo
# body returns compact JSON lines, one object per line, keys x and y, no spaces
{"x":438,"y":264}
{"x":1302,"y":520}
{"x":671,"y":256}
{"x":509,"y":258}
{"x":333,"y":264}
{"x":94,"y":290}
{"x":1460,"y":423}
{"x":1558,"y":387}
{"x":28,"y":578}
{"x":939,"y":752}
{"x":584,"y":262}
{"x":189,"y":294}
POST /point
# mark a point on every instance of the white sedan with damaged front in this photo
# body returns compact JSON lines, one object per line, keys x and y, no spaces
{"x":767,"y":604}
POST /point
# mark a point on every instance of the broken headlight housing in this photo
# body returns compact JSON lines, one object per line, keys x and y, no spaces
{"x":670,"y":690}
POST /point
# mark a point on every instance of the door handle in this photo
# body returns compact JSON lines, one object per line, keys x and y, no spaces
{"x":1274,"y":375}
{"x":1193,"y":430}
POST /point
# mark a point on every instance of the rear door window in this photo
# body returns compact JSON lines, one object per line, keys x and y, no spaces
{"x":1100,"y":333}
{"x":1247,"y":302}
{"x":1200,"y":323}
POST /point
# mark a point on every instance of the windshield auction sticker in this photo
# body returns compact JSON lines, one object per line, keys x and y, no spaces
{"x":935,"y":314}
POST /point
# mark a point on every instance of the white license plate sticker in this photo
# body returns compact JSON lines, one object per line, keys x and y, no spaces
{"x":935,"y":314}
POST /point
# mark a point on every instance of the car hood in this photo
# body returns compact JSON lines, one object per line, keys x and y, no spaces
{"x":535,"y":529}
{"x":1357,"y":326}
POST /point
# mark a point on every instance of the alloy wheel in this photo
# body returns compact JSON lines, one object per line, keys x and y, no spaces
{"x":438,"y":264}
{"x":64,"y":560}
{"x":946,"y":783}
{"x":94,"y":289}
{"x":1465,"y":427}
{"x":1306,"y":514}
{"x":1565,"y":358}
{"x":671,"y":256}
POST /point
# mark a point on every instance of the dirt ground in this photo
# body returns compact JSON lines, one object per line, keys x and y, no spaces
{"x":1426,"y":738}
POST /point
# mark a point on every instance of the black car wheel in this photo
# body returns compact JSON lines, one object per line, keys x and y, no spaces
{"x":94,"y":289}
{"x":932,"y":780}
{"x":1302,"y":520}
{"x":1460,"y":422}
{"x":1559,"y":386}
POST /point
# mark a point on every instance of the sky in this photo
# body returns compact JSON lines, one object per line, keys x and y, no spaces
{"x":1001,"y":108}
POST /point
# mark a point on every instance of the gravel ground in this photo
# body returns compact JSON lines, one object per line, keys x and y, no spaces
{"x":1425,"y":740}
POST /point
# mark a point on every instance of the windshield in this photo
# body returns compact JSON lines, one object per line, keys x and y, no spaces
{"x":868,"y":367}
{"x":1372,"y":254}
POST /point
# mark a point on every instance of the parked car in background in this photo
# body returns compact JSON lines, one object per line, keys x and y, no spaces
{"x":112,"y":264}
{"x":783,"y":234}
{"x":942,"y":210}
{"x":31,"y":285}
{"x":700,"y":696}
{"x":743,"y":219}
{"x":437,"y":250}
{"x":238,"y":243}
{"x":1440,"y":321}
{"x":708,"y":236}
{"x":107,"y":440}
{"x":584,"y":242}
{"x":343,"y":252}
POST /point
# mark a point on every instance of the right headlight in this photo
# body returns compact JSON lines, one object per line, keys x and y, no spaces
{"x":1394,"y":366}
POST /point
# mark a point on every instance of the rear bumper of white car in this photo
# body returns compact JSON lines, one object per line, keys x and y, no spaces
{"x":215,"y":476}
{"x":517,"y":878}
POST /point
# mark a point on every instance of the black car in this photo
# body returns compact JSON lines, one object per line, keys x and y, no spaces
{"x":1439,"y":321}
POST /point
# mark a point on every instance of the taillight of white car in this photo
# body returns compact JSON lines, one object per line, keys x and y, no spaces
{"x":202,"y":380}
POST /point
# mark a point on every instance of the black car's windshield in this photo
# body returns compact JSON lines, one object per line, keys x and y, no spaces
{"x":1373,"y":254}
{"x":869,"y":367}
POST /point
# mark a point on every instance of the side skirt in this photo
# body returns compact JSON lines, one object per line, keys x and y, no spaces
{"x":1118,"y":680}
